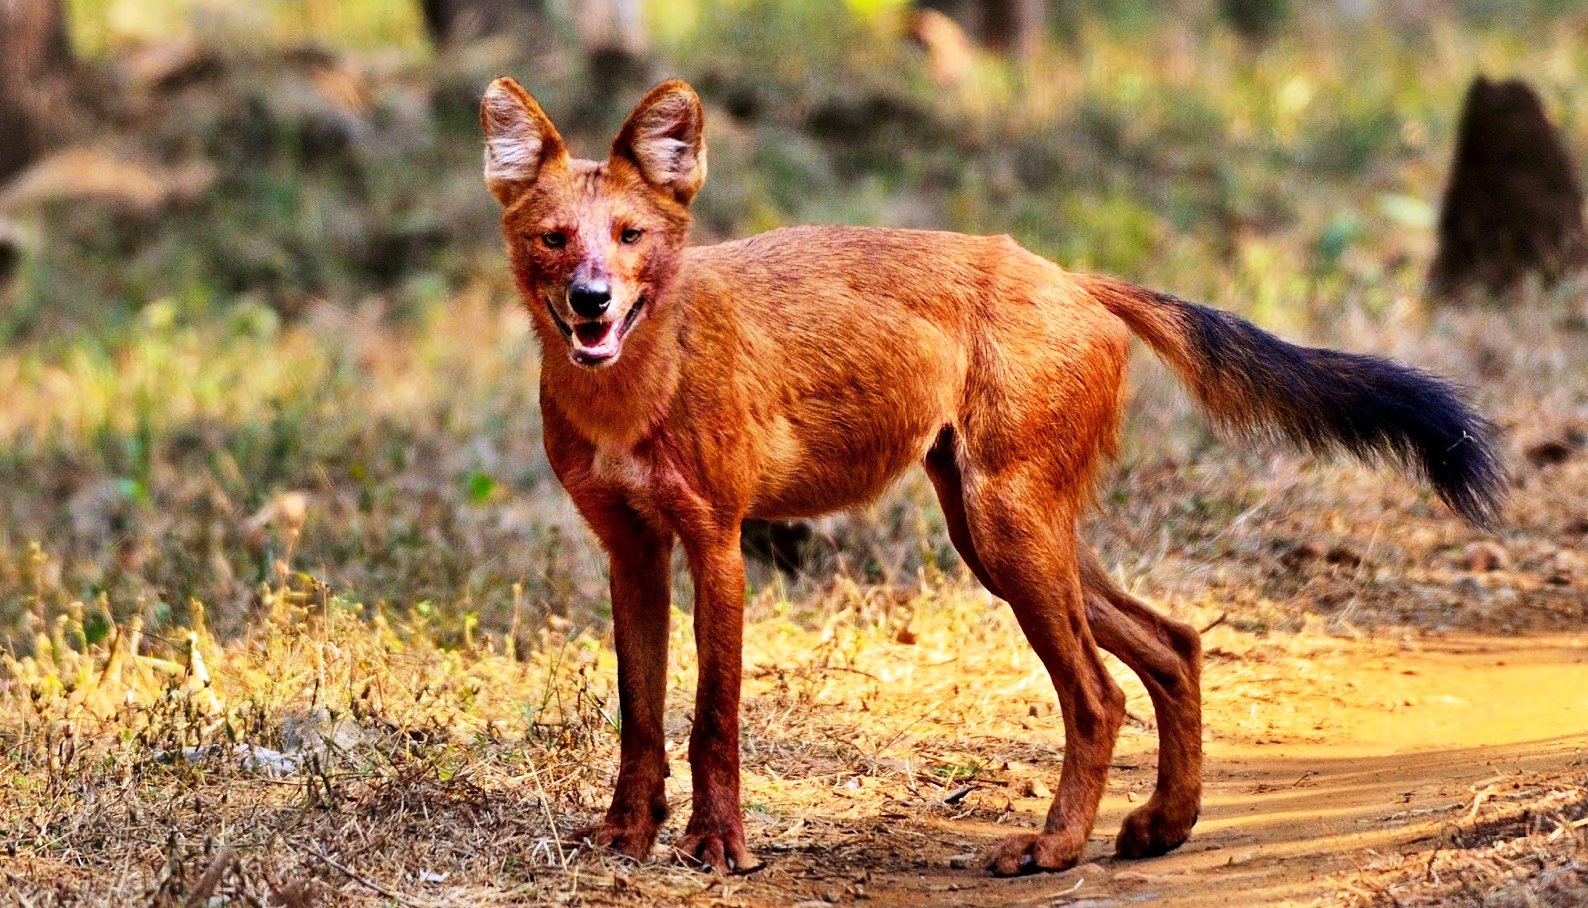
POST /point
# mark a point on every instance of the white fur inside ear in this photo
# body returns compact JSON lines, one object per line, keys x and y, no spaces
{"x":513,"y":142}
{"x":666,"y":141}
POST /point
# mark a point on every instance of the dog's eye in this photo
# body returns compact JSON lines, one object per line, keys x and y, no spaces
{"x":553,"y":239}
{"x":629,"y":236}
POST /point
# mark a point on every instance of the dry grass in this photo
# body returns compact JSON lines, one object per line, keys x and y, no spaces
{"x":336,"y":752}
{"x":335,"y":756}
{"x":1524,"y":846}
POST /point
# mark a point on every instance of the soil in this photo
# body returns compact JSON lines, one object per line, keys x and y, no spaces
{"x":1317,"y":770}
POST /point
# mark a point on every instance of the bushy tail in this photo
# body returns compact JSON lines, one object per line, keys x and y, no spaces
{"x":1319,"y":399}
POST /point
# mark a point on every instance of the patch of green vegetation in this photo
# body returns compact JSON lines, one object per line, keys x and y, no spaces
{"x":99,"y":25}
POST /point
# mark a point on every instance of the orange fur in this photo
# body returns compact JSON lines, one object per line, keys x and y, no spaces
{"x":800,"y":372}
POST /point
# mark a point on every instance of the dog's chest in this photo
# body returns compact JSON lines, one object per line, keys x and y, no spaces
{"x":640,"y":482}
{"x":621,"y":467}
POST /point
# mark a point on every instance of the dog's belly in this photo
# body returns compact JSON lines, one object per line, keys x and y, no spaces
{"x":835,"y":473}
{"x":827,"y":453}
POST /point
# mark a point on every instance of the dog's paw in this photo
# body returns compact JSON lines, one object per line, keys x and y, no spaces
{"x":1154,"y":828}
{"x":632,"y":840}
{"x":716,"y":848}
{"x":1035,"y":852}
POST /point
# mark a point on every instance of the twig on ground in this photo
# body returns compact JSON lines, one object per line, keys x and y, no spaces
{"x":361,"y":880}
{"x":211,"y":878}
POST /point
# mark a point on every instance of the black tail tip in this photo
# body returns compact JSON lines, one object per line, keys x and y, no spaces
{"x":1469,"y":475}
{"x":1374,"y":408}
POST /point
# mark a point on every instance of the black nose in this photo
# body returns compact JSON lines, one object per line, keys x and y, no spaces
{"x":589,"y":298}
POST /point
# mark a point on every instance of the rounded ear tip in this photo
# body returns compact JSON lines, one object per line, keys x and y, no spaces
{"x":674,"y":86}
{"x":503,"y":85}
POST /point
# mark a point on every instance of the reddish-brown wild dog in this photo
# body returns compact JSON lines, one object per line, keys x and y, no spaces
{"x":799,"y":372}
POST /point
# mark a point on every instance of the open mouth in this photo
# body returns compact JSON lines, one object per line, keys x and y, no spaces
{"x":597,"y":342}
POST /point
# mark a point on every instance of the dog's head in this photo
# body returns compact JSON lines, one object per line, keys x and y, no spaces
{"x":594,"y":244}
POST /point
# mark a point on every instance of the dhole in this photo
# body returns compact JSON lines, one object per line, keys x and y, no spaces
{"x":801,"y":371}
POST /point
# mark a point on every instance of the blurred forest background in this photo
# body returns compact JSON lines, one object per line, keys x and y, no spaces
{"x":247,"y":253}
{"x":263,"y":374}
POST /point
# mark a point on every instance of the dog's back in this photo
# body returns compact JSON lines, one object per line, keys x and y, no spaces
{"x":852,"y":347}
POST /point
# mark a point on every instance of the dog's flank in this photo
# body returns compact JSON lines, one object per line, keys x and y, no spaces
{"x":1321,"y":400}
{"x":801,"y":371}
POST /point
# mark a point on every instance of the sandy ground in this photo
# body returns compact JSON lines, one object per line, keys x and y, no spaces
{"x":1375,"y":754}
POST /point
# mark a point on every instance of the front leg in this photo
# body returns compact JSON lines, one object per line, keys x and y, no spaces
{"x":641,"y":599}
{"x":714,"y":838}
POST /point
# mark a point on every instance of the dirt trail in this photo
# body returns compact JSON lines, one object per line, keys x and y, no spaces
{"x":1310,"y":779}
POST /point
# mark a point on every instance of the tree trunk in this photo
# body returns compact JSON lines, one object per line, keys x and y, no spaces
{"x":1513,"y":207}
{"x":452,"y":22}
{"x":610,"y":25}
{"x":35,"y":60}
{"x":603,"y":26}
{"x":1009,"y":26}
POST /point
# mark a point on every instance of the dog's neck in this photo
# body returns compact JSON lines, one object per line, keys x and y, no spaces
{"x":617,"y":406}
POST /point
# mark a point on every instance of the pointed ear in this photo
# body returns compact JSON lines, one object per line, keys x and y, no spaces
{"x":665,"y":137}
{"x":519,"y":139}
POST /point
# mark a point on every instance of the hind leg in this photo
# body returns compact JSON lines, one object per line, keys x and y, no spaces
{"x":1164,"y":653}
{"x":1167,"y":656}
{"x":1022,"y":530}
